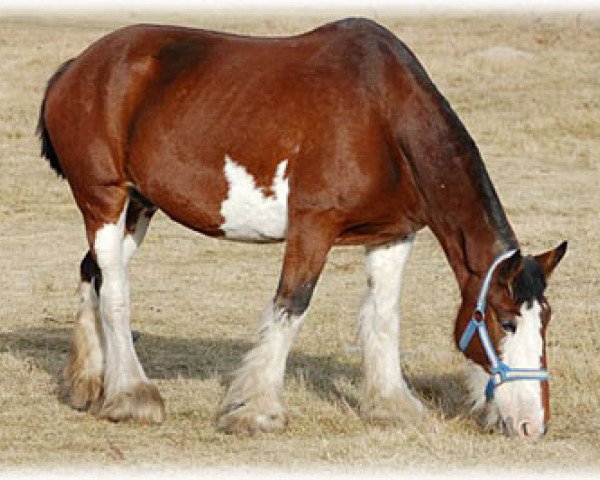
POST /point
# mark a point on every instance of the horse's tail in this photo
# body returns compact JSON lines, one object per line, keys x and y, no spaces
{"x":41,"y":131}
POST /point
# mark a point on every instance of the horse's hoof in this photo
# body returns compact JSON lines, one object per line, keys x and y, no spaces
{"x":394,"y":410}
{"x":82,"y":393}
{"x":141,"y":404}
{"x":244,"y":420}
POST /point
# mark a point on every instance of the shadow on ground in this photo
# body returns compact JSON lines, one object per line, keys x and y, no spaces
{"x":204,"y":358}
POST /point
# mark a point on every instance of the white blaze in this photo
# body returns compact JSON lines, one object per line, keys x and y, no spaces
{"x":520,"y":400}
{"x":249,"y":214}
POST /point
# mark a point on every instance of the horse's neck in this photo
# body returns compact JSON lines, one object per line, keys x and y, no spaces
{"x":460,"y":204}
{"x":469,"y":220}
{"x":470,"y":248}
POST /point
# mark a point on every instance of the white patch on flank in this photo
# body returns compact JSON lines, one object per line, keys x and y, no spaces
{"x":122,"y":367}
{"x":249,"y":214}
{"x":522,"y":399}
{"x":379,"y":323}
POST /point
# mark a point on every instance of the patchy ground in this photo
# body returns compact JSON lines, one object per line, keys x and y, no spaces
{"x":526,"y":87}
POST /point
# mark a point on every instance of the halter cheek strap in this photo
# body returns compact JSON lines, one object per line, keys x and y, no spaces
{"x":499,"y":372}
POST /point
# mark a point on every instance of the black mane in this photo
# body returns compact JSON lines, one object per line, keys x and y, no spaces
{"x":491,"y":202}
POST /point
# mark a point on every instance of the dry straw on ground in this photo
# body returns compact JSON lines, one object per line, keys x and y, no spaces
{"x":526,"y":87}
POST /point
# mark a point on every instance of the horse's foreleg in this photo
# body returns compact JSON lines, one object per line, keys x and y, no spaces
{"x":385,"y":396}
{"x":253,"y":402}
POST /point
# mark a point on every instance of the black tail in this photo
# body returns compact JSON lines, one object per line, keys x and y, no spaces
{"x":41,"y":130}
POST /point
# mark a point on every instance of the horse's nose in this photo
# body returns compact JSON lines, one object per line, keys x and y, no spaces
{"x":530,"y":430}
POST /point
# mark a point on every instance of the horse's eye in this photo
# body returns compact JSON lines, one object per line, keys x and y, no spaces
{"x":509,"y":327}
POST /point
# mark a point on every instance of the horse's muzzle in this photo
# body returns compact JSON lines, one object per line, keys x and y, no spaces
{"x":527,"y":430}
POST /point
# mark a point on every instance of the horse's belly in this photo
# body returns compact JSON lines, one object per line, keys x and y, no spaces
{"x":249,"y":212}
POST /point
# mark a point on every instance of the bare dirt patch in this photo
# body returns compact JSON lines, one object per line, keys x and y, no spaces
{"x":197,"y":301}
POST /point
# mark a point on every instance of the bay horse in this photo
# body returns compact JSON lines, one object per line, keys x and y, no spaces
{"x":333,"y":137}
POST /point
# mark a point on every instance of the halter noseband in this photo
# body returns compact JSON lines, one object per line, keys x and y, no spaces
{"x":499,"y":372}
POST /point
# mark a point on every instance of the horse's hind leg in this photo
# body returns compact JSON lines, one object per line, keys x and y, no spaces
{"x":139,"y":214}
{"x":127,"y":393}
{"x":84,"y":372}
{"x":385,"y":397}
{"x":253,"y":402}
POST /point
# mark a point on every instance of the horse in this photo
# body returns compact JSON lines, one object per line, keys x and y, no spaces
{"x":333,"y":137}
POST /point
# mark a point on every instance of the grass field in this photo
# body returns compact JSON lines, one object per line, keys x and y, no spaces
{"x":528,"y":89}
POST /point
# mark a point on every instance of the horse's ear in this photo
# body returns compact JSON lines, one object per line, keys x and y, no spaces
{"x":509,"y":268}
{"x":548,"y":260}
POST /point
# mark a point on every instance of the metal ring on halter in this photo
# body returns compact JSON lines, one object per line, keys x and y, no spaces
{"x":499,"y":372}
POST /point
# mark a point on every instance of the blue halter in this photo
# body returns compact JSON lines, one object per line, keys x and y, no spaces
{"x":499,"y":371}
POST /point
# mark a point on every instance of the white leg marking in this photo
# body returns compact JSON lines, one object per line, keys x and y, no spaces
{"x":253,"y":401}
{"x":83,"y":372}
{"x":89,"y":328}
{"x":276,"y":335}
{"x":248,"y":213}
{"x":132,"y":241}
{"x":385,"y":391}
{"x":122,"y":367}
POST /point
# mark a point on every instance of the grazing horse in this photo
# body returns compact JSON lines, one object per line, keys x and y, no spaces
{"x":333,"y":137}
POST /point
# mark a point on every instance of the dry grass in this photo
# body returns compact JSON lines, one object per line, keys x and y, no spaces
{"x":526,"y":87}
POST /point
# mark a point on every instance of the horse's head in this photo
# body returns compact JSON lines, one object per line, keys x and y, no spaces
{"x":509,"y":376}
